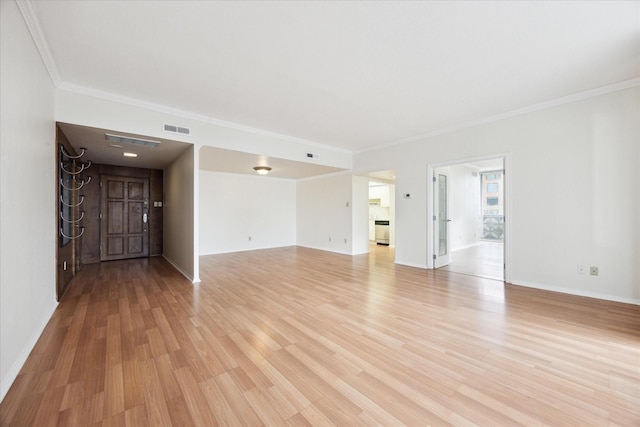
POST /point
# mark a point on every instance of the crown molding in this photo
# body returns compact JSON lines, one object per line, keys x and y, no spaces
{"x":30,"y":16}
{"x":535,"y":107}
{"x":108,"y":96}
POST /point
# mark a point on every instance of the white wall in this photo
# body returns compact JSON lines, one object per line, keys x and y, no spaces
{"x":234,"y":207}
{"x":360,"y":215}
{"x":178,"y":215}
{"x":465,"y":212}
{"x":27,"y":189}
{"x":574,"y":192}
{"x":98,"y":109}
{"x":323,"y":217}
{"x":392,"y":215}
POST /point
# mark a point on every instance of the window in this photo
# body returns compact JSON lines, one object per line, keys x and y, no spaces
{"x":492,"y":201}
{"x":492,"y":188}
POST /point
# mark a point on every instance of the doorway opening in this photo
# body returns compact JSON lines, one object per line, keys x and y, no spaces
{"x":468,"y":217}
{"x":382,"y":224}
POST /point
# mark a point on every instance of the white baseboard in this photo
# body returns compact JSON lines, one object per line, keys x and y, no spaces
{"x":410,"y":264}
{"x":578,"y":292}
{"x":257,"y":248}
{"x":324,"y":249}
{"x":177,"y":267}
{"x":559,"y":289}
{"x":24,"y":354}
{"x":465,"y":247}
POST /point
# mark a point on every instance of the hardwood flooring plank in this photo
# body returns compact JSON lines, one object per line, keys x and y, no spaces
{"x":298,"y":337}
{"x":197,"y":404}
{"x":155,"y":401}
{"x":236,"y":398}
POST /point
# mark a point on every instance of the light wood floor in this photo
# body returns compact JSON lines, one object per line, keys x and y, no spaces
{"x":486,"y":259}
{"x":295,"y":336}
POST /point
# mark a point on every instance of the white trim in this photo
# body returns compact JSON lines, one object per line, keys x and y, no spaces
{"x":196,"y":213}
{"x":13,"y":372}
{"x":466,"y":246}
{"x":318,"y":248}
{"x":531,"y":108}
{"x":410,"y":264}
{"x":578,"y":292}
{"x":30,"y":16}
{"x":177,"y":267}
{"x":506,"y":159}
{"x":360,"y":253}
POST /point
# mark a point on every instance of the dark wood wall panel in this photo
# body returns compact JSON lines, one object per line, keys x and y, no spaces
{"x":69,"y":254}
{"x":91,"y":239}
{"x":156,"y":194}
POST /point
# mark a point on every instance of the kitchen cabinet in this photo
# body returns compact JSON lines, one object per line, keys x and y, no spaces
{"x":381,"y":193}
{"x":384,"y":196}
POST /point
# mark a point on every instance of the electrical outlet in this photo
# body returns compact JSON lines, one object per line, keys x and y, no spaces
{"x":345,"y":240}
{"x":329,"y":238}
{"x":593,"y":271}
{"x":249,"y":238}
{"x":582,"y":269}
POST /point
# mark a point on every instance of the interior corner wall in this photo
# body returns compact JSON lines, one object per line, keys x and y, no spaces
{"x":360,"y":212}
{"x":574,"y":190}
{"x":323,"y":213}
{"x":179,"y":214}
{"x":245,"y":212}
{"x":392,"y":215}
{"x":27,"y":195}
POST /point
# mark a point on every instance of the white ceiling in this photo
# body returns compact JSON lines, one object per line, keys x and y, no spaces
{"x":353,"y":75}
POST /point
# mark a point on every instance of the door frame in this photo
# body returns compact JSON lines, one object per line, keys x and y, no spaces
{"x":437,"y":222}
{"x":506,"y":159}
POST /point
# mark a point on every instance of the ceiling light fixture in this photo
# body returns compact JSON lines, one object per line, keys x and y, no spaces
{"x":262,"y":170}
{"x":129,"y":154}
{"x":131,"y":140}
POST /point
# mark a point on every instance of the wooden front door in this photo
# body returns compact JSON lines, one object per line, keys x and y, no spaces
{"x":124,"y":226}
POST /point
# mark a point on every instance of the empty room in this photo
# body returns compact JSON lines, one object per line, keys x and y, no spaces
{"x":317,"y":213}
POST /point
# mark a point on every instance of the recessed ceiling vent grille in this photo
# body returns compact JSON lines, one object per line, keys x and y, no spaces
{"x":177,"y":129}
{"x":131,"y":140}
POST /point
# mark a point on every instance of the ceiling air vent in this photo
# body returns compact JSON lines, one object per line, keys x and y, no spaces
{"x":131,"y":140}
{"x":177,"y":129}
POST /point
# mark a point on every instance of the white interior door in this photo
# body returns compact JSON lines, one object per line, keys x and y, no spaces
{"x":441,"y":249}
